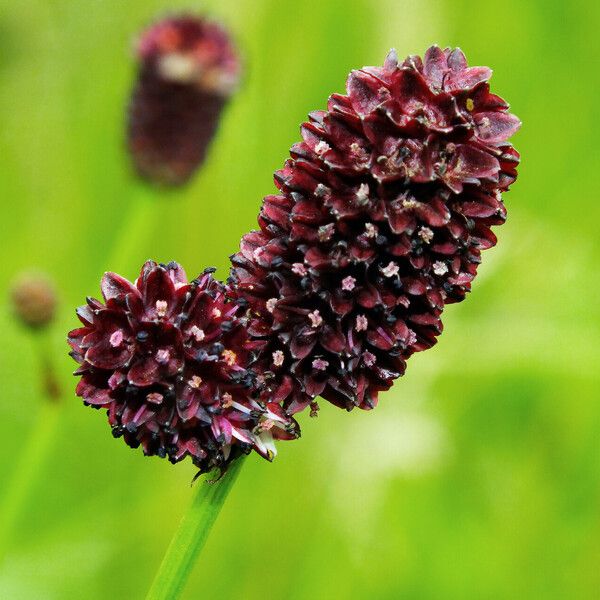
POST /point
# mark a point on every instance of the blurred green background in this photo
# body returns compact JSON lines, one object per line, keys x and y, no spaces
{"x":478,"y":476}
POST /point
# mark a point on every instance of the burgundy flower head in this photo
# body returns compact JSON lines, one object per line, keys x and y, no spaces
{"x":168,"y":359}
{"x":188,"y":69}
{"x":384,"y":209}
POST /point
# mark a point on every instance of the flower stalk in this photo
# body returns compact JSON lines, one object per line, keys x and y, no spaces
{"x":27,"y":469}
{"x":190,"y":537}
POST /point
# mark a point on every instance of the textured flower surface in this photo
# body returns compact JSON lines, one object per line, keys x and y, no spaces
{"x":188,"y":69}
{"x":385,"y":207}
{"x":168,"y":359}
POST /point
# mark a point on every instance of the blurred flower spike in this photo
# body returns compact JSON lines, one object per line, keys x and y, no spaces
{"x":34,"y":300}
{"x":188,"y":69}
{"x":169,"y":360}
{"x":384,"y":209}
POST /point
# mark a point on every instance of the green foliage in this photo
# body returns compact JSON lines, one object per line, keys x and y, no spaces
{"x":478,"y":476}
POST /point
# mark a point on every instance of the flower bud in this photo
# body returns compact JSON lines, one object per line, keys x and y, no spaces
{"x":188,"y":69}
{"x":34,"y":300}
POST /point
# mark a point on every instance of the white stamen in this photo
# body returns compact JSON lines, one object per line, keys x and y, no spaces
{"x":322,"y":147}
{"x":361,"y":323}
{"x":197,"y":333}
{"x":391,"y":270}
{"x":216,"y":312}
{"x":363,"y":193}
{"x":368,"y":358}
{"x":426,"y":234}
{"x":271,"y":304}
{"x":229,"y":356}
{"x":315,"y":318}
{"x":195,"y":382}
{"x":348,"y":283}
{"x":409,"y":203}
{"x":278,"y":358}
{"x":154,"y":398}
{"x":325,"y":232}
{"x":319,"y":364}
{"x":371,"y":230}
{"x":440,"y":268}
{"x":299,"y":269}
{"x":116,"y":339}
{"x":163,"y":356}
{"x":161,"y":308}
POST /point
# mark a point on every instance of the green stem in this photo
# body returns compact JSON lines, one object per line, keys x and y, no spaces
{"x":26,"y":470}
{"x":137,"y":227}
{"x":191,"y":536}
{"x":46,"y":359}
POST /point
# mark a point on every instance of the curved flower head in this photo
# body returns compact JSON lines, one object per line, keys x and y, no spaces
{"x":188,"y":68}
{"x":384,"y":209}
{"x":168,"y":359}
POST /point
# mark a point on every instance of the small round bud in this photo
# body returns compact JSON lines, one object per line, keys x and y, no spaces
{"x":34,"y":300}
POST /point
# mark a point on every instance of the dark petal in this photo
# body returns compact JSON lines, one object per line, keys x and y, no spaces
{"x":85,"y":314}
{"x":302,"y":345}
{"x":368,"y":297}
{"x":314,"y":387}
{"x":457,"y":60}
{"x":177,"y":274}
{"x":380,"y":338}
{"x":332,"y":340}
{"x":496,"y":127}
{"x":115,"y":287}
{"x":468,"y":165}
{"x":103,"y":355}
{"x":434,"y":66}
{"x":157,"y":286}
{"x":187,"y":403}
{"x":467,"y":79}
{"x":92,"y":394}
{"x":144,"y":372}
{"x":363,"y":90}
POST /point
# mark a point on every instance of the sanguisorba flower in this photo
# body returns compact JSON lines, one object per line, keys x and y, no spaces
{"x":385,"y":207}
{"x":188,"y":69}
{"x":168,"y":359}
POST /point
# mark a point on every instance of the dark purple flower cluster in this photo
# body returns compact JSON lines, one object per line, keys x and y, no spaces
{"x":188,"y":70}
{"x":384,"y":209}
{"x":169,"y":360}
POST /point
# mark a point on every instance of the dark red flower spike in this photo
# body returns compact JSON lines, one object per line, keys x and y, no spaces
{"x":168,"y":359}
{"x":384,"y":209}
